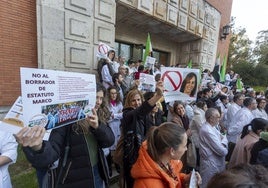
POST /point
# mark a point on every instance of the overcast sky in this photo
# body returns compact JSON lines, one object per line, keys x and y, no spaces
{"x":252,"y":15}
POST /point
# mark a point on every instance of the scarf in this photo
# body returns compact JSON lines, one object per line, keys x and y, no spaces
{"x":113,"y":102}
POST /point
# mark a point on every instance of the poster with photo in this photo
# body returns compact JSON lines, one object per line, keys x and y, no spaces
{"x":180,"y":83}
{"x":56,"y":98}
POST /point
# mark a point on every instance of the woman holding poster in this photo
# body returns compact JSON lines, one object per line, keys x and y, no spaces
{"x":189,"y":84}
{"x":82,"y":165}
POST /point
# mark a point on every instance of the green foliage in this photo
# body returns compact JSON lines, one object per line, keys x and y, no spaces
{"x":259,"y":88}
{"x":261,"y":47}
{"x":250,"y":62}
{"x":22,"y":174}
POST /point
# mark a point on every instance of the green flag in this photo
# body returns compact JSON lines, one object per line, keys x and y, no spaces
{"x":239,"y":84}
{"x":200,"y":74}
{"x":189,"y":66}
{"x":148,"y":48}
{"x":223,"y":69}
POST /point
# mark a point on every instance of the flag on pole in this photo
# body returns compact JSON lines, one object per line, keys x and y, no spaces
{"x":216,"y":71}
{"x":189,"y":66}
{"x":223,"y":69}
{"x":239,"y":84}
{"x":148,"y":48}
{"x":200,"y":74}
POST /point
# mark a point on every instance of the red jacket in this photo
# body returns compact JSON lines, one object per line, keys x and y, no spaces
{"x":148,"y":174}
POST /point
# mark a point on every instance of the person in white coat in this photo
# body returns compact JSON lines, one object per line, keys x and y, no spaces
{"x":8,"y":155}
{"x":116,"y":108}
{"x":195,"y":126}
{"x":243,"y":117}
{"x":213,"y":147}
{"x":230,"y":115}
{"x":259,"y":112}
{"x":233,"y":108}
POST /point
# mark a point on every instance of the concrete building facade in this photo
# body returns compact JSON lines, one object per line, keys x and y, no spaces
{"x":64,"y":34}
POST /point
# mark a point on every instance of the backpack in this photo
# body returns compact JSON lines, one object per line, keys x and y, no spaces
{"x":127,"y":150}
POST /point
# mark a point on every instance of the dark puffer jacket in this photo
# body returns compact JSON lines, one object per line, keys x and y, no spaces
{"x":78,"y":170}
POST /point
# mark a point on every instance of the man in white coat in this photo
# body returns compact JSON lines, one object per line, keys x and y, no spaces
{"x":243,"y":117}
{"x":234,"y":107}
{"x":213,"y":147}
{"x":231,"y":111}
{"x":8,"y":155}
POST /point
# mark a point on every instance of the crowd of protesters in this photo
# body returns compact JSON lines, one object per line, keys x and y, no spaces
{"x":224,"y":127}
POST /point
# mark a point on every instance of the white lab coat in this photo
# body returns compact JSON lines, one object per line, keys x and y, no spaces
{"x":8,"y":148}
{"x":107,"y":80}
{"x":243,"y":117}
{"x":213,"y":149}
{"x":114,"y":123}
{"x":260,"y":113}
{"x":231,"y":111}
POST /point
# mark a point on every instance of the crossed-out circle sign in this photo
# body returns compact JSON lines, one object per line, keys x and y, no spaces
{"x":103,"y":49}
{"x":172,"y":80}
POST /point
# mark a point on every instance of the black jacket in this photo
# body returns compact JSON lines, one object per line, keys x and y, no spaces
{"x":78,"y":172}
{"x":257,"y":147}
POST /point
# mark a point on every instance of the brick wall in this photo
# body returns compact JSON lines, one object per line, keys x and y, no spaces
{"x":18,"y":45}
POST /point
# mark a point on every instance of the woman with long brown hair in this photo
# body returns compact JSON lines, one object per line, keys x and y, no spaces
{"x":133,"y":129}
{"x":158,"y":164}
{"x":85,"y":160}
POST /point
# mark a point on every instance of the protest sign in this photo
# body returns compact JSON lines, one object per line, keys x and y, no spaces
{"x":180,"y":83}
{"x":103,"y":50}
{"x":146,"y":83}
{"x":149,"y":63}
{"x":56,"y":98}
{"x":13,"y":121}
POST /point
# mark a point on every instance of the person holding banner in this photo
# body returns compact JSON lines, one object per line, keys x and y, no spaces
{"x":189,"y":84}
{"x":82,"y":162}
{"x":133,"y":126}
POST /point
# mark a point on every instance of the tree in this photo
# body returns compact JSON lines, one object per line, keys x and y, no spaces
{"x":250,"y":62}
{"x":261,"y":47}
{"x":240,"y":50}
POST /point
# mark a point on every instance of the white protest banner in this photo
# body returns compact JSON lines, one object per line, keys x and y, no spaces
{"x":56,"y":98}
{"x":146,"y":83}
{"x":13,"y":121}
{"x":180,"y":83}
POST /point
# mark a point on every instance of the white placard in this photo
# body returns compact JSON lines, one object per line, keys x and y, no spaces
{"x":13,"y":121}
{"x":56,"y":98}
{"x":149,"y":62}
{"x":146,"y":83}
{"x":193,"y":180}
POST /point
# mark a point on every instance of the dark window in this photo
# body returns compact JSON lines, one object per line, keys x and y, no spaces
{"x":136,"y":52}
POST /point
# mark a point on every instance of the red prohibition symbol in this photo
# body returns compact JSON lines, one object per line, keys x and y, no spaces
{"x":103,"y":49}
{"x":173,"y":79}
